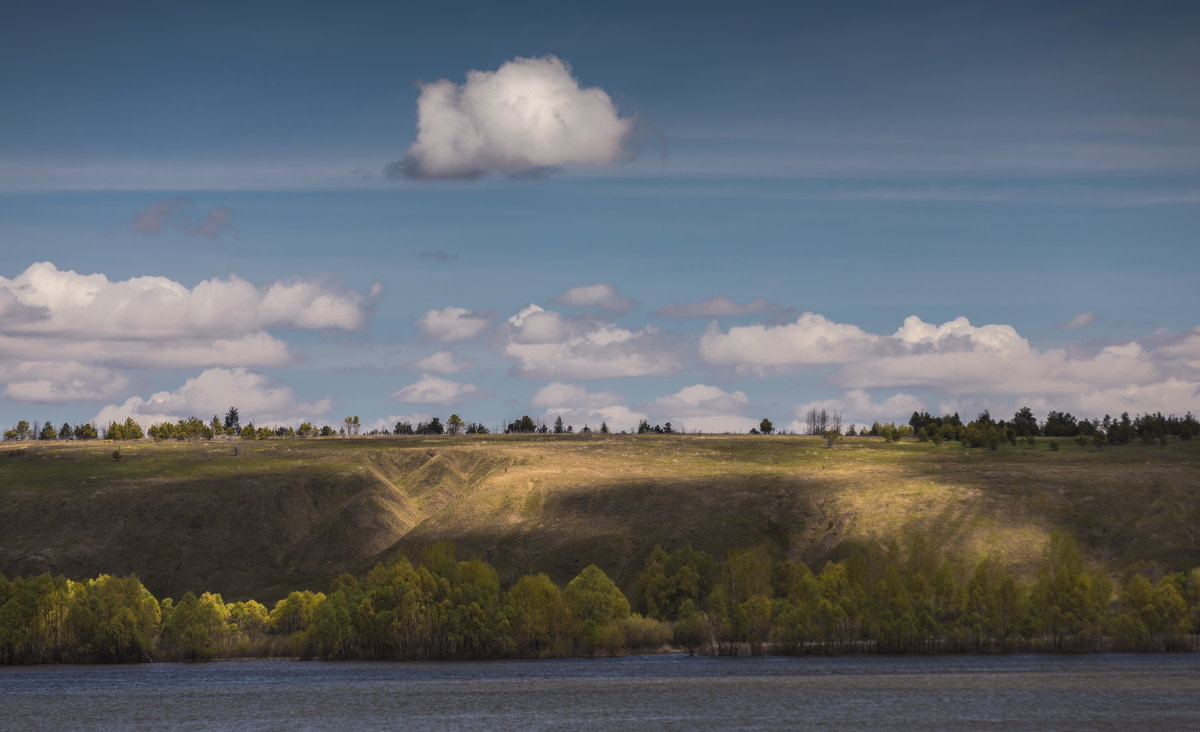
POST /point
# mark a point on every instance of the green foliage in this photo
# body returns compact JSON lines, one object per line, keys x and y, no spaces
{"x":898,"y":598}
{"x":128,"y":430}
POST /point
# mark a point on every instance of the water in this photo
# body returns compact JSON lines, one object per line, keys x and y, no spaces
{"x":659,"y":692}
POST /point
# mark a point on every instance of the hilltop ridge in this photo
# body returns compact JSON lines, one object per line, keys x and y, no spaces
{"x":285,"y":514}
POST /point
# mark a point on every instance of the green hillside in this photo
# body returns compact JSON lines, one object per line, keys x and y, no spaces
{"x":256,"y":519}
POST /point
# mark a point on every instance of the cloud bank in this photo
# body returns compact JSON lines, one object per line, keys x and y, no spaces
{"x":525,"y":118}
{"x":213,"y":392}
{"x":63,"y":333}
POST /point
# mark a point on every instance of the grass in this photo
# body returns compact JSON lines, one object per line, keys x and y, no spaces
{"x":282,"y":514}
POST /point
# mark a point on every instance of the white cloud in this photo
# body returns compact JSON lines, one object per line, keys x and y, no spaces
{"x":1172,"y":396}
{"x":714,"y":307}
{"x":703,"y":408}
{"x":91,"y":306}
{"x":530,"y":115}
{"x":442,"y":362}
{"x":959,"y":358}
{"x":453,"y":324}
{"x":548,"y":345}
{"x":213,"y":392}
{"x":699,"y":399}
{"x":1081,"y":320}
{"x":812,"y":339}
{"x":389,"y":423}
{"x":61,"y":381}
{"x":90,"y":324}
{"x":578,"y":407}
{"x":601,"y":295}
{"x":857,"y":407}
{"x":434,"y":390}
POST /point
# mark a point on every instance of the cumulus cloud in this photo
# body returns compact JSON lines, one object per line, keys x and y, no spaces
{"x":857,"y":407}
{"x":551,"y":346}
{"x":527,"y":117}
{"x":431,"y":389}
{"x":812,"y":339}
{"x":172,"y":214}
{"x":90,"y":324}
{"x":1082,"y":320}
{"x":714,"y":307}
{"x":213,"y":392}
{"x":959,"y":358}
{"x":601,"y":295}
{"x":442,"y":362}
{"x":969,"y":363}
{"x":699,"y":399}
{"x":61,"y":381}
{"x":91,"y":306}
{"x":453,"y":324}
{"x":703,"y":408}
{"x":578,"y":407}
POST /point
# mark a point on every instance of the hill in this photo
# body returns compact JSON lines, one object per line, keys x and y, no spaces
{"x":256,"y":519}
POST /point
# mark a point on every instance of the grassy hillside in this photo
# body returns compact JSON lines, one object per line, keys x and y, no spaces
{"x":278,"y":515}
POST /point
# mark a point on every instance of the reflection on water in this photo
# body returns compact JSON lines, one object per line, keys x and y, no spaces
{"x":673,"y":692}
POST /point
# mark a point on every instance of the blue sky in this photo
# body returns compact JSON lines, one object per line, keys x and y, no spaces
{"x":831,"y":172}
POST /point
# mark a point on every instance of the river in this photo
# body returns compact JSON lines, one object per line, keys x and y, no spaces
{"x":1146,"y":691}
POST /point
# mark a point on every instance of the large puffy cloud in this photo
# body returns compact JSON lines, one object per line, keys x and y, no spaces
{"x":600,"y":295}
{"x":453,"y":324}
{"x":528,"y":116}
{"x":959,"y":358}
{"x":579,"y":407}
{"x":973,"y":364}
{"x":91,"y":306}
{"x":52,"y":316}
{"x":857,"y":407}
{"x":700,"y":399}
{"x":704,"y":408}
{"x":551,"y":346}
{"x":431,"y":389}
{"x":812,"y":339}
{"x":714,"y":307}
{"x":61,"y":381}
{"x":213,"y":392}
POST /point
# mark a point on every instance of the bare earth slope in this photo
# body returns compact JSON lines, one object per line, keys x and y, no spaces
{"x":280,"y":515}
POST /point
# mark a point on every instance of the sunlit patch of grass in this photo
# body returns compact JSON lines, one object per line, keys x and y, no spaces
{"x":542,"y":501}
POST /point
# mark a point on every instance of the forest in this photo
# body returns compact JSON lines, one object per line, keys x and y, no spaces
{"x":882,"y":598}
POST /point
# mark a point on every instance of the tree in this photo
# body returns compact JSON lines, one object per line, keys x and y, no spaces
{"x":523,"y":425}
{"x":604,"y":428}
{"x":232,"y":423}
{"x":558,"y":425}
{"x":766,"y":427}
{"x":64,"y":432}
{"x":1024,"y":424}
{"x":48,"y":432}
{"x":595,"y":606}
{"x":85,"y":431}
{"x":19,"y":433}
{"x":454,"y":424}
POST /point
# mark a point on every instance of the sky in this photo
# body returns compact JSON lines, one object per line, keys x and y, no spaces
{"x":697,"y":213}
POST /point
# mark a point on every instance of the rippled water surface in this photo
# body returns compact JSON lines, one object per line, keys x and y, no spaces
{"x":672,"y":692}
